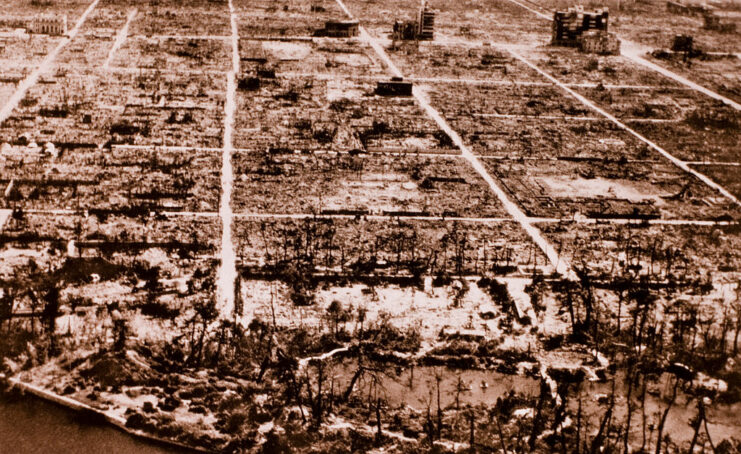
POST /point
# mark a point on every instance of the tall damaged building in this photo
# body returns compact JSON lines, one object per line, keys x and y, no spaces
{"x":426,"y":23}
{"x":423,"y":29}
{"x":587,"y":30}
{"x":569,"y":25}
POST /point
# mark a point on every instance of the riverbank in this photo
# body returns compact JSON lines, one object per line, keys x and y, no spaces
{"x":84,"y":415}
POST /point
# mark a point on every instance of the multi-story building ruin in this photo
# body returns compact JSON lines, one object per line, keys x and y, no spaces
{"x":568,"y":26}
{"x":48,"y":25}
{"x":586,"y":30}
{"x":426,"y":23}
{"x":423,"y":29}
{"x":404,"y":30}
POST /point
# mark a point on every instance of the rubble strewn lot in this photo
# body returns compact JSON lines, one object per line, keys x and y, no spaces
{"x":302,"y":254}
{"x":23,"y":9}
{"x":605,"y":247}
{"x":21,"y":54}
{"x":367,"y":184}
{"x":308,"y":114}
{"x":704,"y":135}
{"x":507,"y":99}
{"x":720,"y":72}
{"x":498,"y":20}
{"x":725,"y":175}
{"x":180,"y":18}
{"x":648,"y":104}
{"x":123,"y":108}
{"x":184,"y":53}
{"x":283,"y":19}
{"x":99,"y":226}
{"x":604,"y":189}
{"x":117,"y":179}
{"x":6,"y":91}
{"x":701,"y":129}
{"x":575,"y":67}
{"x":319,"y":56}
{"x":547,"y":137}
{"x":462,"y":61}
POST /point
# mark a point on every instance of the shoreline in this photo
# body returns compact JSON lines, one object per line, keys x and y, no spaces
{"x":92,"y":415}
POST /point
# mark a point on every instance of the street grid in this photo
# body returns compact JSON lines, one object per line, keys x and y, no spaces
{"x":136,"y":22}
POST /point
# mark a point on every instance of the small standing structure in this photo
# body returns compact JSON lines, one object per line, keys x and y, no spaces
{"x":253,"y":53}
{"x":687,"y":9}
{"x":317,"y":6}
{"x":46,"y":24}
{"x":718,"y":22}
{"x":395,"y":87}
{"x":404,"y":30}
{"x":685,"y":45}
{"x":599,"y":42}
{"x":340,"y":29}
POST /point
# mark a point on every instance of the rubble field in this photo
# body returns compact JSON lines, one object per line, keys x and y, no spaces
{"x":73,"y":9}
{"x":249,"y":226}
{"x":186,"y":53}
{"x":309,"y":114}
{"x":603,"y":189}
{"x":176,"y":18}
{"x":120,"y":108}
{"x":283,"y":19}
{"x":368,"y":184}
{"x":720,"y":72}
{"x":477,"y":61}
{"x":21,"y":54}
{"x":322,"y":57}
{"x":725,"y":175}
{"x":84,"y":179}
{"x":501,"y":136}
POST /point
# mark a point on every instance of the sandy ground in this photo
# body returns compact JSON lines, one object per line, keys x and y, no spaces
{"x":635,"y":191}
{"x":287,"y":50}
{"x":405,"y":307}
{"x":431,"y":311}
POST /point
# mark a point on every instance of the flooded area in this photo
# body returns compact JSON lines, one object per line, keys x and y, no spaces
{"x":722,"y":419}
{"x":417,"y":387}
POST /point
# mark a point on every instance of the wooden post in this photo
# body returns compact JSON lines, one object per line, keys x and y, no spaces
{"x":379,"y":434}
{"x":472,"y":439}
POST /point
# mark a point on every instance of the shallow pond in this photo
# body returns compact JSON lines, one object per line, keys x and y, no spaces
{"x":417,"y":386}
